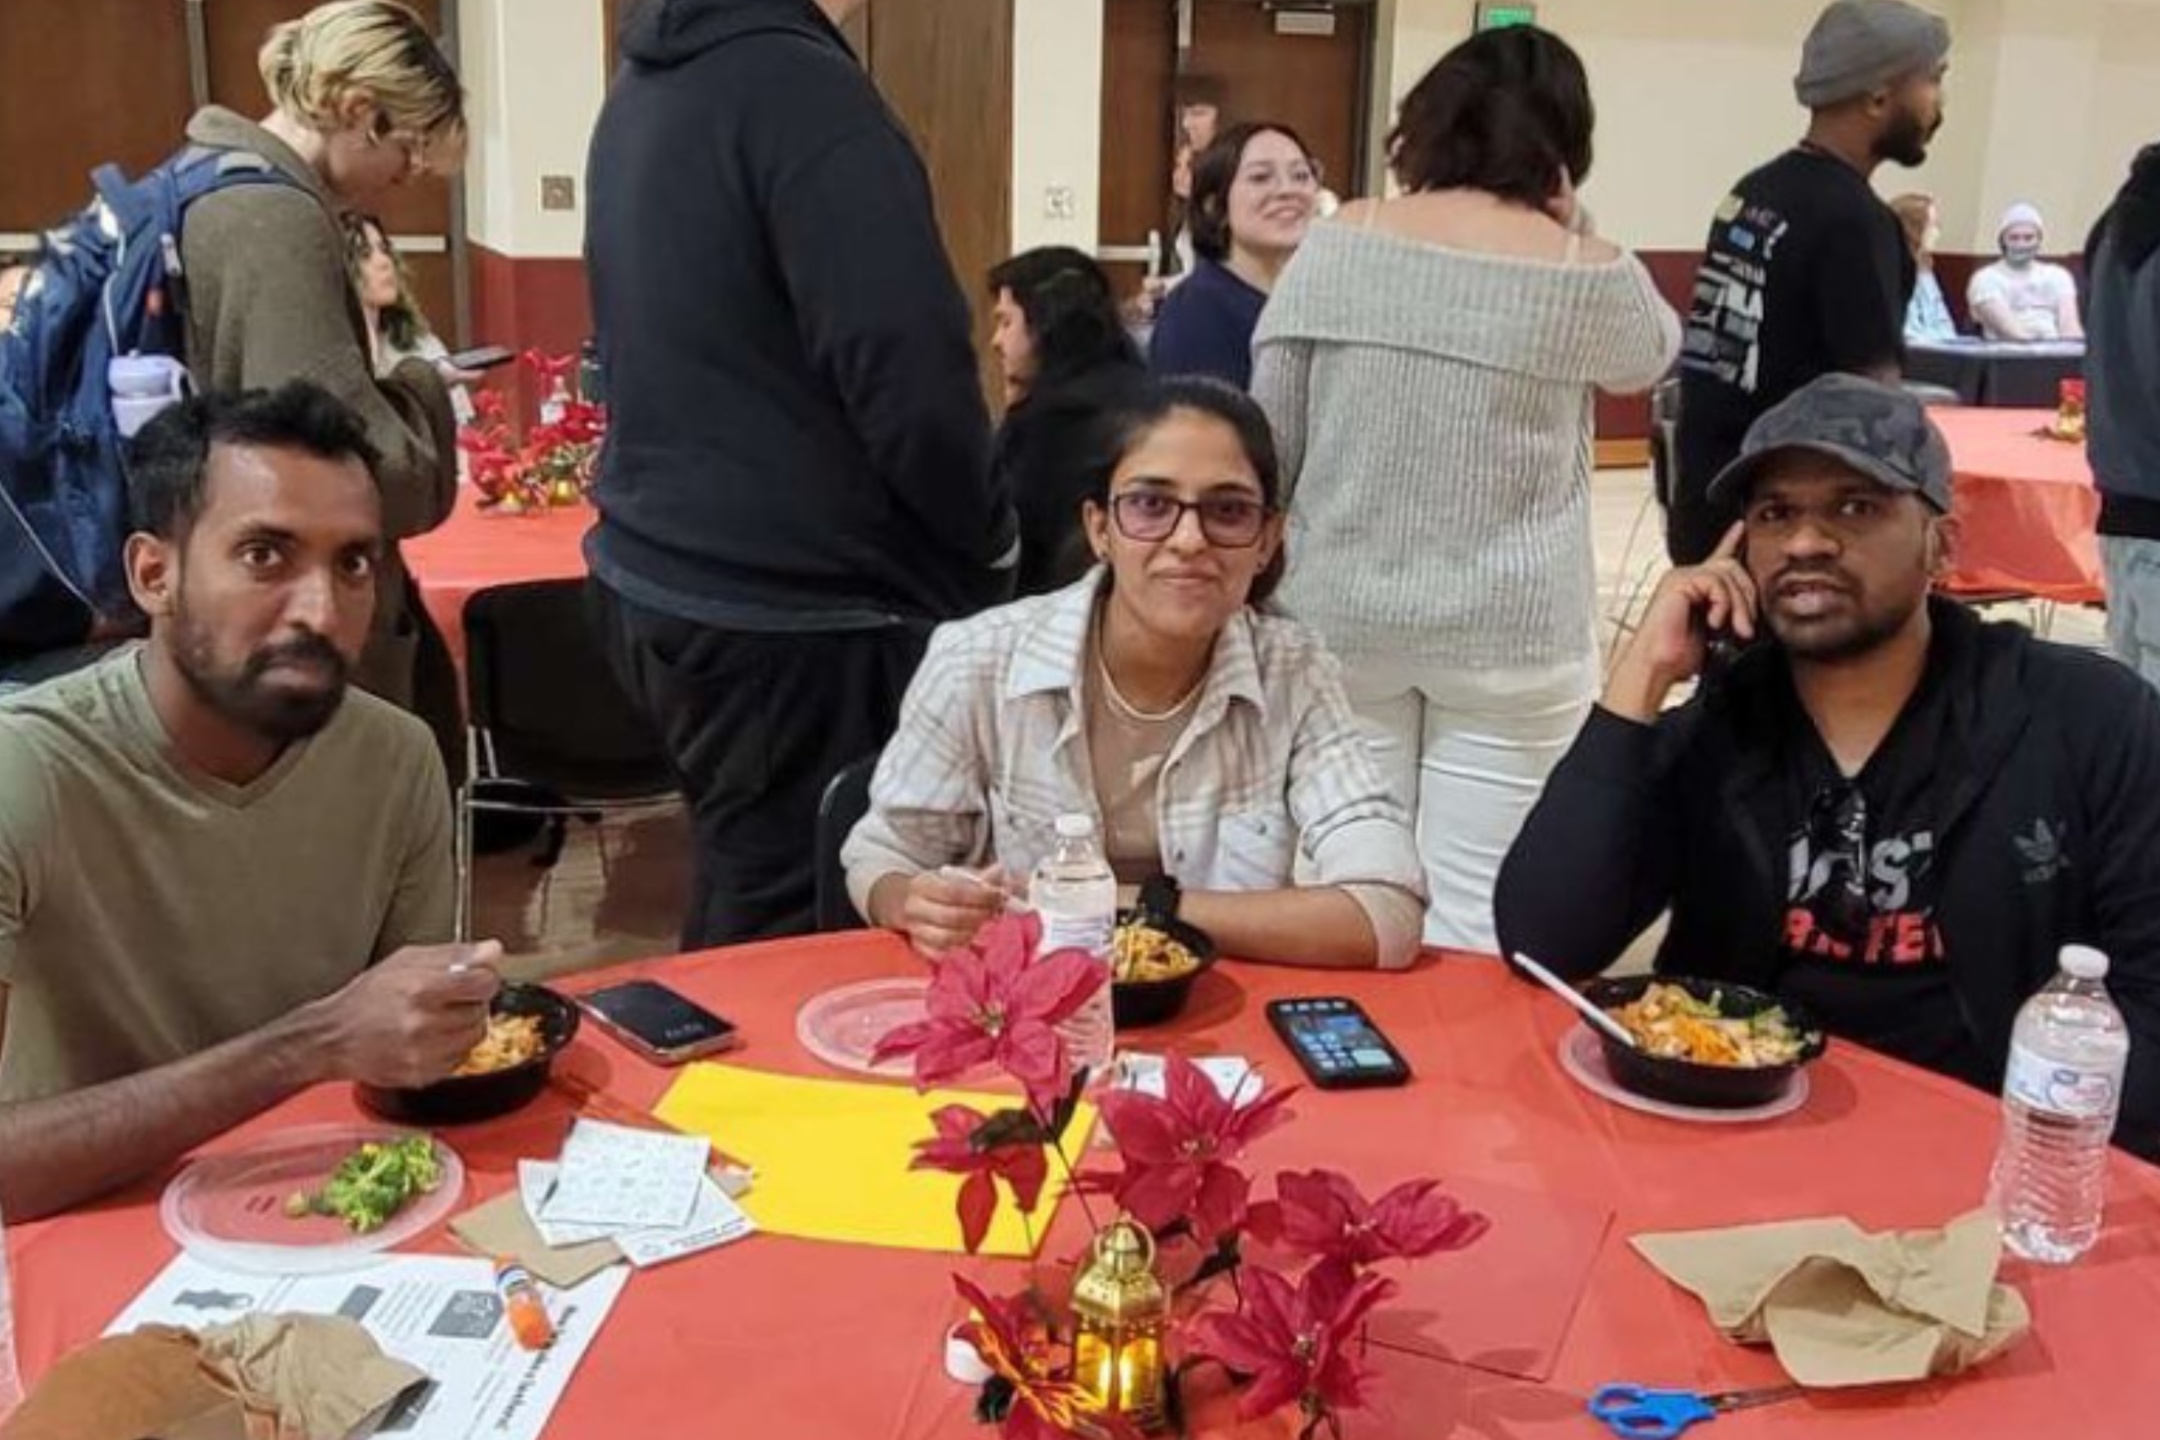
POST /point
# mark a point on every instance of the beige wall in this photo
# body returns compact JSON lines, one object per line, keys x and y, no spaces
{"x":2047,"y":100}
{"x":535,"y":72}
{"x":1057,"y":120}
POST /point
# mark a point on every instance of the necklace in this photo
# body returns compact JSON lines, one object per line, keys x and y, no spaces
{"x":1125,"y":707}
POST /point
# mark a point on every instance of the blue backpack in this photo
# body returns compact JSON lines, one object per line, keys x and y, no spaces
{"x":107,"y":283}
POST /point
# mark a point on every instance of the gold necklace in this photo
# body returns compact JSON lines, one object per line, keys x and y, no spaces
{"x":1125,"y":707}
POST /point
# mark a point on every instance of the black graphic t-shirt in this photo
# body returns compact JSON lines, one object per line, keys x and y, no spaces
{"x":1861,"y":945}
{"x":1805,"y":273}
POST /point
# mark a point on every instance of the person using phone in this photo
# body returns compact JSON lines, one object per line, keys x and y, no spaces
{"x":1211,"y":742}
{"x":1884,"y":809}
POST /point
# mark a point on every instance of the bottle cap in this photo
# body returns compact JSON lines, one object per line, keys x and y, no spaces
{"x":2082,"y":962}
{"x":1075,"y":827}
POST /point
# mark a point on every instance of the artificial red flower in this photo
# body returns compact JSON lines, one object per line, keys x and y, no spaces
{"x":994,"y":1001}
{"x":1043,"y":1407}
{"x":1295,"y":1342}
{"x":1177,"y":1151}
{"x":1323,"y":1214}
{"x":959,"y":1150}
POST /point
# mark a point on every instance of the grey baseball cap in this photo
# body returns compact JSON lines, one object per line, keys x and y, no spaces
{"x":1857,"y":45}
{"x":1876,"y":429}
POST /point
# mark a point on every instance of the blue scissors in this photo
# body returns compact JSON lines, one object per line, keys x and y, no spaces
{"x":1637,"y":1413}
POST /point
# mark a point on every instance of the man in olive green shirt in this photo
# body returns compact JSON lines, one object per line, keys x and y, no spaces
{"x":223,"y":877}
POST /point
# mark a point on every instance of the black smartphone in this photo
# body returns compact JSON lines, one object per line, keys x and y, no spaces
{"x":1336,"y":1043}
{"x":483,"y":357}
{"x":656,"y":1022}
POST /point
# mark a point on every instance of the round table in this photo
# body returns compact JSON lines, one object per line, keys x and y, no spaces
{"x":475,"y":549}
{"x":1998,"y":373}
{"x":793,"y":1338}
{"x":2027,"y":508}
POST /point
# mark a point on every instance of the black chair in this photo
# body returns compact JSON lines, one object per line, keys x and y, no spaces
{"x":845,"y":801}
{"x":549,"y":734}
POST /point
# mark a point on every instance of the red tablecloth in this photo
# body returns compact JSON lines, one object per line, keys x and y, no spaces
{"x":474,"y":549}
{"x":792,"y":1338}
{"x":2028,"y":508}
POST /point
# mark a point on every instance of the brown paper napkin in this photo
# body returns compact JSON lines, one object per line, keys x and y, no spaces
{"x":1841,"y":1306}
{"x":501,"y":1227}
{"x":293,"y":1377}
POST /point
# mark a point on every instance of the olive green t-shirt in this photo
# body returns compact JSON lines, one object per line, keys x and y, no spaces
{"x":148,"y":912}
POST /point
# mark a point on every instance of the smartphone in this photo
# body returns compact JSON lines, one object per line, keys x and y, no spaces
{"x":483,"y":357}
{"x":659,"y":1024}
{"x":1336,"y":1043}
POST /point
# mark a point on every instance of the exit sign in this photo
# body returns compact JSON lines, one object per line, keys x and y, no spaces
{"x":1499,"y":17}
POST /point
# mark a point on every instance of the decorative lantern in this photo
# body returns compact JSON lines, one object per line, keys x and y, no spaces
{"x":1120,"y":1310}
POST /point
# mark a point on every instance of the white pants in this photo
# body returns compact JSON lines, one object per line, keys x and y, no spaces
{"x":1467,"y":752}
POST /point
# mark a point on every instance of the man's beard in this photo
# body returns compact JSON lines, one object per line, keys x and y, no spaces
{"x":242,"y":697}
{"x":1864,"y":629}
{"x":1906,"y":140}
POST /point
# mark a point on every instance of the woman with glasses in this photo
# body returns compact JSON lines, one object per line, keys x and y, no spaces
{"x":1430,"y":363}
{"x":1254,"y":194}
{"x":363,"y":104}
{"x":1211,"y":743}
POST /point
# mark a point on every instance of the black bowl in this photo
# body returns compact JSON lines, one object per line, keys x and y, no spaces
{"x":465,"y":1098}
{"x":1688,"y":1082}
{"x":1136,"y":1003}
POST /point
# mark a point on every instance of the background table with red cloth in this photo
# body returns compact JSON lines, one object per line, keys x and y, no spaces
{"x":474,"y":549}
{"x":2027,"y":506}
{"x":795,"y":1338}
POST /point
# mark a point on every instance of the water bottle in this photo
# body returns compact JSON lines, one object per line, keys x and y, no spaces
{"x":2060,"y":1095}
{"x":10,"y":1379}
{"x":1075,"y":894}
{"x":142,"y":385}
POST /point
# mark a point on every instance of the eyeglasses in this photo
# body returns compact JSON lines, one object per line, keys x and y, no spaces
{"x":1233,"y":522}
{"x":1837,"y":831}
{"x":414,"y":146}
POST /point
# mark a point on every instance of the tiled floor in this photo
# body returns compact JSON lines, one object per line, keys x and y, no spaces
{"x":618,"y":891}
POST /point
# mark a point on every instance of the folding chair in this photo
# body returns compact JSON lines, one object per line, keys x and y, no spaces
{"x":1664,"y":469}
{"x":548,"y":733}
{"x":845,"y":801}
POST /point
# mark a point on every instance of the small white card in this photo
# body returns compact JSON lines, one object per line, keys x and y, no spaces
{"x":715,"y":1220}
{"x":627,"y":1179}
{"x":1233,"y":1075}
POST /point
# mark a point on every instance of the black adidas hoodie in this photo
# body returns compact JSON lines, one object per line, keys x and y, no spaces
{"x":797,"y":440}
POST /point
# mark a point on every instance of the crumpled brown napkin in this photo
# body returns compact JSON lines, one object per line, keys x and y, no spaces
{"x":1844,"y":1307}
{"x":264,"y":1377}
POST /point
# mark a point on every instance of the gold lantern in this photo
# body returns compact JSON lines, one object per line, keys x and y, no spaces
{"x":1120,"y":1310}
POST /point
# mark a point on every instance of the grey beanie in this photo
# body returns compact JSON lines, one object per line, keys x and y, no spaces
{"x":1858,"y":45}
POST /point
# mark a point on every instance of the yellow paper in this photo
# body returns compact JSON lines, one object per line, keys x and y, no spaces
{"x":832,"y":1157}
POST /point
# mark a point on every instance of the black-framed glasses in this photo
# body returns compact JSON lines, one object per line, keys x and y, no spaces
{"x":1837,"y":831}
{"x":1233,"y":522}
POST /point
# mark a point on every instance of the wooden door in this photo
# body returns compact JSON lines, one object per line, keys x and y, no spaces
{"x":1254,"y":63}
{"x":84,"y":82}
{"x":945,"y":67}
{"x":418,"y":217}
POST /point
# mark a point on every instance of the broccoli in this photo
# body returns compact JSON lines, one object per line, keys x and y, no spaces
{"x":373,"y":1183}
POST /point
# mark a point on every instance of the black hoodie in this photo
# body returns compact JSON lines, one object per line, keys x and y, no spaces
{"x":797,"y":440}
{"x":2049,"y":832}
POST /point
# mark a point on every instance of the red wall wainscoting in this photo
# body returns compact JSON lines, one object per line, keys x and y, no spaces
{"x":527,"y":304}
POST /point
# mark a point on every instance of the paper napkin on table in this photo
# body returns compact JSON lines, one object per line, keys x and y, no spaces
{"x":1841,"y":1306}
{"x":832,"y":1157}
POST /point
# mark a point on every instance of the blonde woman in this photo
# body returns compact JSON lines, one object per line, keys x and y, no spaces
{"x":364,"y":103}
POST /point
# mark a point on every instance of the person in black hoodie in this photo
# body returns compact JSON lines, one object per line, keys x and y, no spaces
{"x":795,"y":487}
{"x":1066,"y":362}
{"x":1883,"y":809}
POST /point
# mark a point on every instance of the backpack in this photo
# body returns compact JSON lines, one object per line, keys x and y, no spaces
{"x":106,"y":283}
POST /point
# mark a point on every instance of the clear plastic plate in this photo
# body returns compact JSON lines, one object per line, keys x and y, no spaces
{"x":1582,"y":1055}
{"x":228,"y":1208}
{"x":842,"y":1027}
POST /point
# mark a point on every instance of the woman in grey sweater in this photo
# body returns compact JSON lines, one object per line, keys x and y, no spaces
{"x":1430,"y":363}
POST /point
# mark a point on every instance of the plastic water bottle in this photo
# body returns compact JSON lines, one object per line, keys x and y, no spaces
{"x":2064,"y":1085}
{"x":10,"y":1379}
{"x":1075,"y":893}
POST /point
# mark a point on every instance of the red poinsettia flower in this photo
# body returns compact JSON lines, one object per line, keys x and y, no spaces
{"x":1177,"y":1151}
{"x":994,"y":1001}
{"x":1295,"y":1342}
{"x":1043,"y":1406}
{"x":1323,"y":1214}
{"x":959,"y":1149}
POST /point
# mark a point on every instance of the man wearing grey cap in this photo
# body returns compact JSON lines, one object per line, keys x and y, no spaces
{"x":1883,"y":809}
{"x":1806,"y":271}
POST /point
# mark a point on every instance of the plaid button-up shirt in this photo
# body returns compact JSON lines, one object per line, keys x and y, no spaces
{"x":1269,"y":785}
